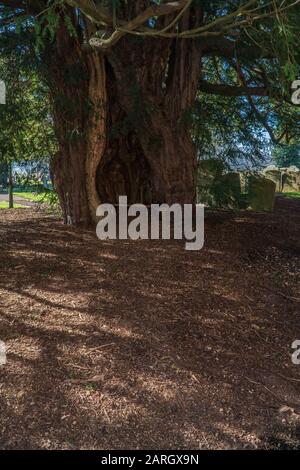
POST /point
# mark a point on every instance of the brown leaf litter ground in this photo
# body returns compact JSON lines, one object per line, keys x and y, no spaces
{"x":143,"y":345}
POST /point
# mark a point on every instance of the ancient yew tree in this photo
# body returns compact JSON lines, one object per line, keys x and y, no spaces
{"x":123,"y":78}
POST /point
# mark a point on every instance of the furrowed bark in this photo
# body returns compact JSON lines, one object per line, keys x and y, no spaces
{"x":172,"y":159}
{"x":77,"y":82}
{"x":133,"y":137}
{"x":97,"y":128}
{"x":123,"y":170}
{"x":68,"y":82}
{"x":156,"y":86}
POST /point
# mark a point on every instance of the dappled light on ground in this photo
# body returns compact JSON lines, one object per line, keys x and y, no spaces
{"x":124,"y":344}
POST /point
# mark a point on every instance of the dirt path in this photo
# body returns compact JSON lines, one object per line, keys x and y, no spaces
{"x":17,"y":200}
{"x":144,"y":345}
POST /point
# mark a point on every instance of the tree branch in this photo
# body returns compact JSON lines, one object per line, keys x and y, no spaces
{"x":228,"y":90}
{"x":153,"y":11}
{"x":229,"y":49}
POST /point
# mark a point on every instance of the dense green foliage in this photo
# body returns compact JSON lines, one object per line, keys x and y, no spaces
{"x":26,"y":124}
{"x":26,"y":127}
{"x":287,"y":155}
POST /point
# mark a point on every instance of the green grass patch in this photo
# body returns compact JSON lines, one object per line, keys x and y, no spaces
{"x":293,"y":194}
{"x":5,"y":205}
{"x":33,"y":197}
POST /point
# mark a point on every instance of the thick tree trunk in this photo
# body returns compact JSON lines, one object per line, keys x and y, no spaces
{"x":68,"y":169}
{"x":123,"y":170}
{"x":94,"y":164}
{"x":156,"y":88}
{"x":120,"y":122}
{"x":78,"y":91}
{"x":171,"y":155}
{"x":97,"y":128}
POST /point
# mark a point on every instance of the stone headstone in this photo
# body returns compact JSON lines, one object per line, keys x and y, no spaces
{"x":291,"y":181}
{"x":231,"y":184}
{"x":261,"y":194}
{"x":274,"y":174}
{"x":209,"y":172}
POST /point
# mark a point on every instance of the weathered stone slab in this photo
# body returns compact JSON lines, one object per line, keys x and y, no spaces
{"x":291,"y":180}
{"x":274,"y":174}
{"x":261,"y":194}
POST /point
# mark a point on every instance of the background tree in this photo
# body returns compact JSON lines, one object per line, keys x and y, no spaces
{"x":287,"y":155}
{"x":26,"y":124}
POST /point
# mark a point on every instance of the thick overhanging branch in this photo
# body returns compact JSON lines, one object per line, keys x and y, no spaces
{"x":136,"y":26}
{"x":241,"y":18}
{"x":153,"y":11}
{"x":245,"y":15}
{"x":230,"y":49}
{"x":101,"y":16}
{"x":228,"y":90}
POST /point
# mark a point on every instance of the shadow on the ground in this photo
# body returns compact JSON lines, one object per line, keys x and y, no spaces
{"x":123,"y":344}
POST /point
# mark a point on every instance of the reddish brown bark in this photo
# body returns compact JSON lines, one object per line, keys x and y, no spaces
{"x":69,"y":86}
{"x":77,"y":81}
{"x":172,"y":159}
{"x":123,"y":169}
{"x":156,"y":86}
{"x":121,"y":126}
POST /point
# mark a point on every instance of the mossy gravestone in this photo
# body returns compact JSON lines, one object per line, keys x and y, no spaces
{"x":261,"y":194}
{"x":230,"y":190}
{"x":291,"y":180}
{"x":274,"y":174}
{"x":216,"y":188}
{"x":209,"y":172}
